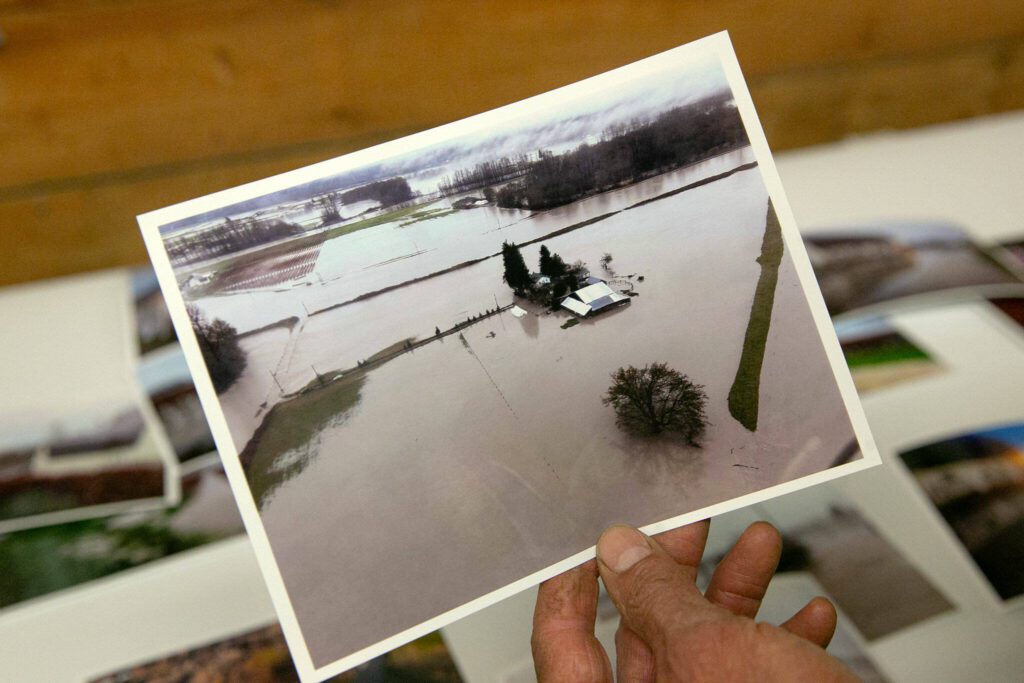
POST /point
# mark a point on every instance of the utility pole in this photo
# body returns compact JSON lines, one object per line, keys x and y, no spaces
{"x":280,"y":388}
{"x":500,"y":316}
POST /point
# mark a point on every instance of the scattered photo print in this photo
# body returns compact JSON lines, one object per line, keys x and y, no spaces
{"x":873,"y":584}
{"x":888,"y":261}
{"x":166,"y":380}
{"x":878,"y":355}
{"x":262,"y":656}
{"x":827,"y":540}
{"x":792,"y":589}
{"x":69,"y":464}
{"x":37,"y":562}
{"x":153,"y":325}
{"x":574,"y":311}
{"x":976,"y":482}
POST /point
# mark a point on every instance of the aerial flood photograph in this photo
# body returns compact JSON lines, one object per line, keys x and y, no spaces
{"x":449,"y":368}
{"x":876,"y":264}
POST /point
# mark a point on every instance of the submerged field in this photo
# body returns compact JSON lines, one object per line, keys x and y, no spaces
{"x":484,"y":456}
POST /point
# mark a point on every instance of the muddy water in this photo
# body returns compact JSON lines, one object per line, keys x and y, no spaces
{"x":465,"y":466}
{"x":339,"y":338}
{"x":388,"y":254}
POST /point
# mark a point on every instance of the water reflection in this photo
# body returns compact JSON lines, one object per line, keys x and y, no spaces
{"x":289,"y":440}
{"x":530,"y":324}
{"x":668,"y":456}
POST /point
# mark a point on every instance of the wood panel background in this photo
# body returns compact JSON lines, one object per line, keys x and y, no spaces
{"x":109,"y":108}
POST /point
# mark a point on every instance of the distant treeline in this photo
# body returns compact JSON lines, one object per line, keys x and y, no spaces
{"x":626,"y":153}
{"x":484,"y":174}
{"x":388,"y":192}
{"x":228,"y":237}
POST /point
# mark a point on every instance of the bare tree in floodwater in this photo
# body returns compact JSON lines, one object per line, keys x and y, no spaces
{"x":656,"y":399}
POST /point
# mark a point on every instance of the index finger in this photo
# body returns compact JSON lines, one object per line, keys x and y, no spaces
{"x":563,"y":642}
{"x":686,"y":544}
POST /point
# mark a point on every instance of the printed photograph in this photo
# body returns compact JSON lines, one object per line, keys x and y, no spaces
{"x":261,"y":656}
{"x":826,"y":539}
{"x":462,"y":359}
{"x":153,"y":327}
{"x":847,"y":645}
{"x":888,"y":261}
{"x":976,"y":482}
{"x":76,"y":439}
{"x":873,"y":584}
{"x":45,"y":560}
{"x":879,"y":356}
{"x":51,"y":464}
{"x":166,"y":380}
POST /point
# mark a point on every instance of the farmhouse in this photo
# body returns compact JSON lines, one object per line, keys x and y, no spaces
{"x":595,"y":298}
{"x":197,"y":280}
{"x":540,"y":279}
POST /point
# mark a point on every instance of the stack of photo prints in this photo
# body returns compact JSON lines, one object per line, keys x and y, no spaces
{"x":106,"y":459}
{"x":437,"y":368}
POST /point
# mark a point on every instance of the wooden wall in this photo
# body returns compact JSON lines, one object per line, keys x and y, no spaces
{"x":109,"y":108}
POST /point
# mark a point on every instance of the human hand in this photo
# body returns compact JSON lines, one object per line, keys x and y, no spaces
{"x":668,"y":630}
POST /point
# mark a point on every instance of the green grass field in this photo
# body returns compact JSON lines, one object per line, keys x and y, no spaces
{"x":280,"y":448}
{"x":744,"y":396}
{"x":892,"y":351}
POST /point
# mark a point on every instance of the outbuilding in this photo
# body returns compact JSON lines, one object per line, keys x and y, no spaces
{"x":595,"y":298}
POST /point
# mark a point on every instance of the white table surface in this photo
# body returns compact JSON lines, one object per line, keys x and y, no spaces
{"x":969,"y":173}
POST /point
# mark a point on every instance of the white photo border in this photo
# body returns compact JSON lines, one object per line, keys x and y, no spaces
{"x":718,"y":46}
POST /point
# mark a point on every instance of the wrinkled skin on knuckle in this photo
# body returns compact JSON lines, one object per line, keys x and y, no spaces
{"x":644,"y":602}
{"x":555,"y":663}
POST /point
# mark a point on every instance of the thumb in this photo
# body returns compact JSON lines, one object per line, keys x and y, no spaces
{"x":655,"y":595}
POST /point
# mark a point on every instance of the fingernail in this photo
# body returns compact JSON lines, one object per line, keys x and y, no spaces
{"x":621,"y":547}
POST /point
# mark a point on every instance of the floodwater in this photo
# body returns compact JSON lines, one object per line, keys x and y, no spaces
{"x":388,"y":254}
{"x":470,"y":463}
{"x":371,"y":259}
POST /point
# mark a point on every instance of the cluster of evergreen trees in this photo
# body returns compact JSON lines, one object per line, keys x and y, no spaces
{"x":228,"y":237}
{"x":564,"y":278}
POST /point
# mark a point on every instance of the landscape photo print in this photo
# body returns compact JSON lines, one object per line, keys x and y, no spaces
{"x":436,"y":369}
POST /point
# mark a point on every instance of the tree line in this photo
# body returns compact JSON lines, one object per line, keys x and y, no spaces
{"x":625,"y":153}
{"x":484,"y":174}
{"x":388,"y":192}
{"x":227,"y":237}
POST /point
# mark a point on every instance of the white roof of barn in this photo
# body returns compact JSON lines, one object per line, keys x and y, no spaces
{"x":594,"y":291}
{"x":576,"y":307}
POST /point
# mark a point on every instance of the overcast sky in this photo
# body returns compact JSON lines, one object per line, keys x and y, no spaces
{"x":561,"y":123}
